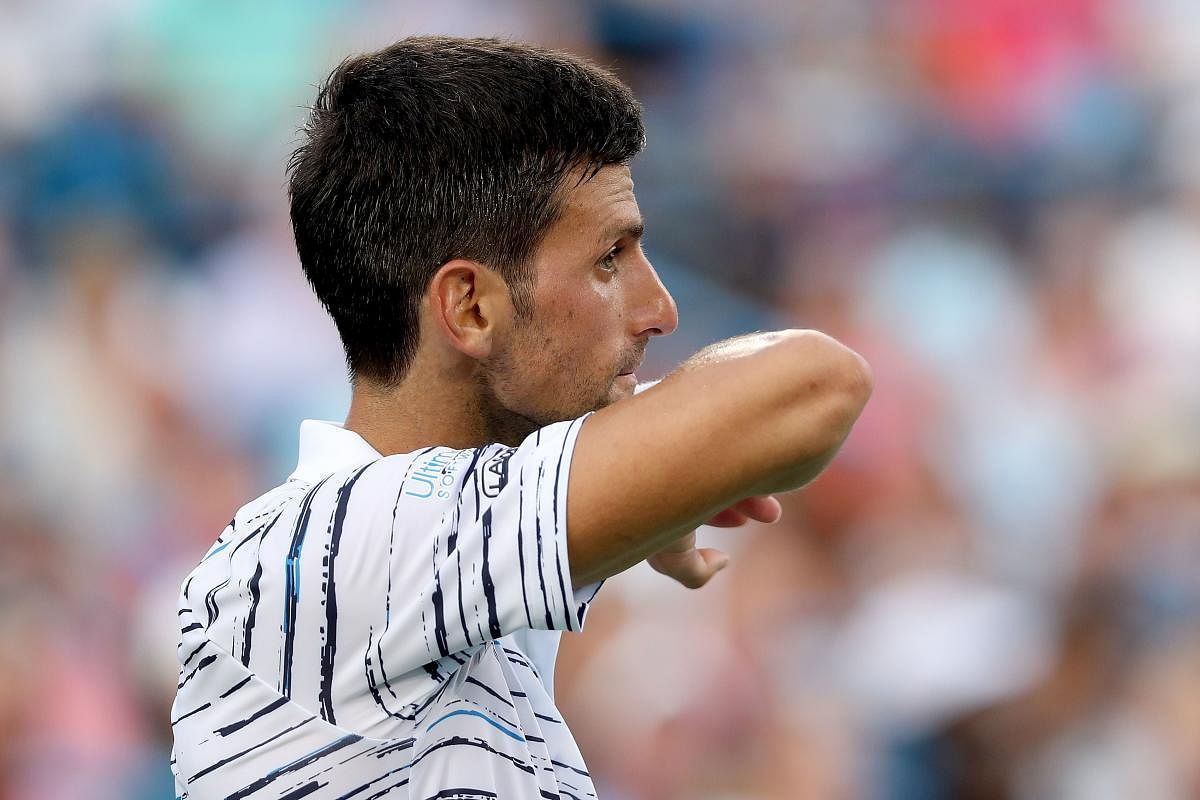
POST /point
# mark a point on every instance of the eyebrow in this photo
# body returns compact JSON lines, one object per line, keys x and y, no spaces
{"x":632,"y":229}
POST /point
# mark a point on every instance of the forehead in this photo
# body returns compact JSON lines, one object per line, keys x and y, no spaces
{"x":611,"y":185}
{"x":590,"y":209}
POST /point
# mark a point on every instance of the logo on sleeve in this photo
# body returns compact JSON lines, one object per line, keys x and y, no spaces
{"x":494,"y":472}
{"x":435,"y":474}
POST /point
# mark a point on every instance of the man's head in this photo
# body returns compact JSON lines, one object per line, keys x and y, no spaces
{"x":441,"y":177}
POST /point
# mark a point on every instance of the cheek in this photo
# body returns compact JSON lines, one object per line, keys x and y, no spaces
{"x":589,"y":330}
{"x":596,"y":350}
{"x":568,"y":369}
{"x":576,"y":340}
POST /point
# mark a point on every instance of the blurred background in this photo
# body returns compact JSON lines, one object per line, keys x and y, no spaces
{"x":992,"y":593}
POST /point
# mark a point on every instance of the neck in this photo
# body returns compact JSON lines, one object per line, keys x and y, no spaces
{"x":431,"y":408}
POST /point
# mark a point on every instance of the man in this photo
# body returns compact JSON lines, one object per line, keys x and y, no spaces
{"x":386,"y":621}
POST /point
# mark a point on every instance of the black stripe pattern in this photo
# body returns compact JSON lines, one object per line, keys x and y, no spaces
{"x":385,"y":627}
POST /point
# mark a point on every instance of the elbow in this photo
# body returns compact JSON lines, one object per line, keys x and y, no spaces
{"x":847,"y":389}
{"x":857,"y":382}
{"x":824,"y":363}
{"x":833,"y":384}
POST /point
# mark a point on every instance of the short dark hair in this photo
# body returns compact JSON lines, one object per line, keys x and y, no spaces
{"x":439,"y":148}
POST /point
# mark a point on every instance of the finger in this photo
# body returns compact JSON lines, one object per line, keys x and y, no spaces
{"x":760,"y":509}
{"x":766,"y":508}
{"x":711,"y":561}
{"x":716,"y":560}
{"x":692,"y":569}
{"x":729,"y":518}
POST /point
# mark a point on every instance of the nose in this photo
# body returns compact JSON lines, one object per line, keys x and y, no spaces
{"x":657,"y":313}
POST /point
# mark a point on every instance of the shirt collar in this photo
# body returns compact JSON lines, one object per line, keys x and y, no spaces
{"x":326,"y":447}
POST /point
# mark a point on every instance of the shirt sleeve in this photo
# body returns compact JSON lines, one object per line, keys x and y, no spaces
{"x":499,"y":560}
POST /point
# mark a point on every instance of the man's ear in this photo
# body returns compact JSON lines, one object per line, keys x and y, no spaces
{"x":470,"y":306}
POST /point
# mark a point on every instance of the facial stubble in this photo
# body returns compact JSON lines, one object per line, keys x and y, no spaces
{"x":530,"y":358}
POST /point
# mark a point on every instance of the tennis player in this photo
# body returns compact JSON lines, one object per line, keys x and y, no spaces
{"x":385,"y":623}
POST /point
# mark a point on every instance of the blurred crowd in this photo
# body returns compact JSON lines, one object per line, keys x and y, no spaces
{"x":994,"y":592}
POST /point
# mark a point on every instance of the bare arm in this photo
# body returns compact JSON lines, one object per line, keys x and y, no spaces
{"x":751,"y":416}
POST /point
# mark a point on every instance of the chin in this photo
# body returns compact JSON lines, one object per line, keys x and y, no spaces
{"x":618,"y":391}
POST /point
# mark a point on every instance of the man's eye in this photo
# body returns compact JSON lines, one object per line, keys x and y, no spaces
{"x":609,"y":262}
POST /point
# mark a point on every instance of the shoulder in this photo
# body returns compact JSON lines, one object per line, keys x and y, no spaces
{"x":429,"y":478}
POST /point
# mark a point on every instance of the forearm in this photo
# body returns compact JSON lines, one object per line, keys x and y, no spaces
{"x":745,"y":417}
{"x":723,"y":350}
{"x":681,"y":559}
{"x":831,"y":368}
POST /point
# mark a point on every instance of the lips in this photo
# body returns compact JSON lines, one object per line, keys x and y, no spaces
{"x":636,"y":363}
{"x":633,"y":368}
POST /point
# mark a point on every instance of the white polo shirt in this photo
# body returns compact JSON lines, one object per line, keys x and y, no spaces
{"x":385,"y":626}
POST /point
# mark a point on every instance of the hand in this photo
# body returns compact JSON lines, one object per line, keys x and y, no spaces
{"x":693,"y":567}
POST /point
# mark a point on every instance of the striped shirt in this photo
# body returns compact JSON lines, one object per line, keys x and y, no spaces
{"x":385,"y":626}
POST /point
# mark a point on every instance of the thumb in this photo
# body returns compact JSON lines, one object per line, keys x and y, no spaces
{"x":692,"y":569}
{"x":715,"y":560}
{"x":707,"y":562}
